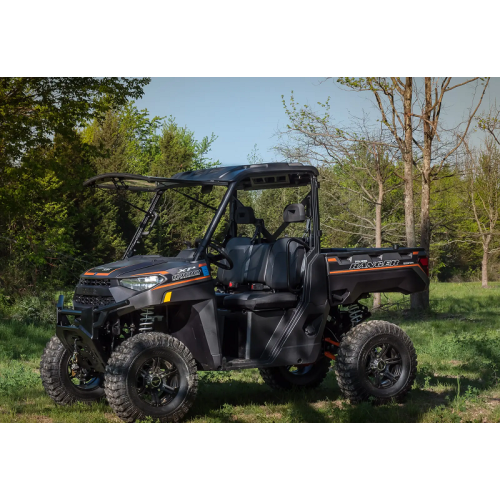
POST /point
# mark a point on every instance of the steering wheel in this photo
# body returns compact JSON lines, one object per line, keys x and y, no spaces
{"x":216,"y":259}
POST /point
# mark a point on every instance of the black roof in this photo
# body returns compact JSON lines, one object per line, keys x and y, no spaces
{"x":248,"y":177}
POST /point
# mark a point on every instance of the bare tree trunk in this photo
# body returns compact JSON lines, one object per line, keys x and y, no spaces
{"x":422,"y":298}
{"x":484,"y":264}
{"x":484,"y":270}
{"x":378,"y":234}
{"x":408,"y":164}
{"x":408,"y":173}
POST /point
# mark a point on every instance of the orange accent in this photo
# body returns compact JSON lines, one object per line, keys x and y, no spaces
{"x":332,"y":260}
{"x":330,"y":355}
{"x":107,"y":274}
{"x":179,"y":282}
{"x":371,"y":269}
{"x":152,"y":272}
{"x":201,"y":265}
{"x":415,"y":253}
{"x":332,"y":342}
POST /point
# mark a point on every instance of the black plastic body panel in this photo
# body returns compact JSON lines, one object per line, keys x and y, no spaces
{"x":353,"y":273}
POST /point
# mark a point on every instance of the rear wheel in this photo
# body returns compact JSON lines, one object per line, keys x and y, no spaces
{"x":376,"y":360}
{"x":286,"y":377}
{"x":64,"y":381}
{"x":151,"y":375}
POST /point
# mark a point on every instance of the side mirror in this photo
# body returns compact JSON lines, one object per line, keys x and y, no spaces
{"x":206,"y":189}
{"x":294,"y":213}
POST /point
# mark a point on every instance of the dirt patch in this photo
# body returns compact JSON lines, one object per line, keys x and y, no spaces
{"x":324,"y":405}
{"x":112,"y":418}
{"x":492,"y":401}
{"x":42,"y":419}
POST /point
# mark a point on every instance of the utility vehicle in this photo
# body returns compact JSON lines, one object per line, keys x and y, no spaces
{"x":142,"y":327}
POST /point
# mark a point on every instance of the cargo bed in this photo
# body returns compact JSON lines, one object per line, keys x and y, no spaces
{"x":355,"y":272}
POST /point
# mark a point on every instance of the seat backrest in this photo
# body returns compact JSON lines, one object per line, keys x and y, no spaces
{"x":276,"y":273}
{"x":238,"y":250}
{"x":264,"y":263}
{"x":257,"y":263}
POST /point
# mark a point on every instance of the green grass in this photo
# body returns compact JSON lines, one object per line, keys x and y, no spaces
{"x":458,"y":347}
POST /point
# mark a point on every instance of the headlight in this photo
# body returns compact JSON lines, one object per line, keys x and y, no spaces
{"x":141,"y":284}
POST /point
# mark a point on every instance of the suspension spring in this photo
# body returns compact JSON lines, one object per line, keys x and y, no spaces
{"x":355,"y":314}
{"x":146,"y":321}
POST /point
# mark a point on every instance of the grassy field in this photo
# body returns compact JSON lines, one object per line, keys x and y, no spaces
{"x":458,"y":347}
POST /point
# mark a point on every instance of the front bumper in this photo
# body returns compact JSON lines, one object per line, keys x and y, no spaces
{"x":82,"y":335}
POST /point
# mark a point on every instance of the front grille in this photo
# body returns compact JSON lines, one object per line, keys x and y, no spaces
{"x":93,"y":300}
{"x":95,"y":282}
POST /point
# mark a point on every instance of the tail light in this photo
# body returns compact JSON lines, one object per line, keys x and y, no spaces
{"x":424,"y":264}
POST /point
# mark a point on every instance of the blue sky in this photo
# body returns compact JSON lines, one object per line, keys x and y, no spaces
{"x":247,"y":111}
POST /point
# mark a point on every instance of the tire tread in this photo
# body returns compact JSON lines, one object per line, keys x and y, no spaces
{"x":346,"y":363}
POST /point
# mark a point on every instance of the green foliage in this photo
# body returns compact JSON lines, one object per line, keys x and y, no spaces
{"x":52,"y":229}
{"x":16,"y":377}
{"x":39,"y":308}
{"x":33,"y":110}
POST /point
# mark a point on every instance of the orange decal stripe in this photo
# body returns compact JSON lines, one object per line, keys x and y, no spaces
{"x":372,"y":269}
{"x":107,"y":274}
{"x":152,"y":272}
{"x":179,"y":282}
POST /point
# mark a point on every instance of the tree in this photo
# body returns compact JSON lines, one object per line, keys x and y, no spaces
{"x":34,"y":110}
{"x":358,"y":160}
{"x":435,"y":90}
{"x":125,"y":140}
{"x":394,"y":101}
{"x":42,"y":165}
{"x":482,"y":173}
{"x":128,"y":140}
{"x":398,"y":100}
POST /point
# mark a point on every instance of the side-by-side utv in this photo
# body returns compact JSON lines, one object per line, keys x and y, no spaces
{"x":142,"y":327}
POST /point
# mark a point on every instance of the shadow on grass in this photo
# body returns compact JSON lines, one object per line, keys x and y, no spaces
{"x":241,"y":401}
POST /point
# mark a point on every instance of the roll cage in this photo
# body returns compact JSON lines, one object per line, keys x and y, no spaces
{"x":235,"y":178}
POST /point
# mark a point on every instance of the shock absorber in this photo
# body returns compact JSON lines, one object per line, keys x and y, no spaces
{"x":146,"y":321}
{"x":355,"y":314}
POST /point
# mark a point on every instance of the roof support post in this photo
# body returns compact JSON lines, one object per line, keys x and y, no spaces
{"x":215,"y":221}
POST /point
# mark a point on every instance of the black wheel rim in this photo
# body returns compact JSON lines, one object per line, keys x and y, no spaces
{"x":298,"y":370}
{"x":82,"y":379}
{"x":384,"y":366}
{"x":157,"y":382}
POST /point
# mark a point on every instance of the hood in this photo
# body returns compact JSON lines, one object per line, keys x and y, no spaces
{"x":129,"y":267}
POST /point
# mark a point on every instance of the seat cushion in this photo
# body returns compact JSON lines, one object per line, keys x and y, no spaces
{"x":220,"y":298}
{"x":258,"y":301}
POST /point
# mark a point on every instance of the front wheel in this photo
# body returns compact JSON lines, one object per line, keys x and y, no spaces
{"x":376,"y":360}
{"x":63,"y":379}
{"x":151,"y":375}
